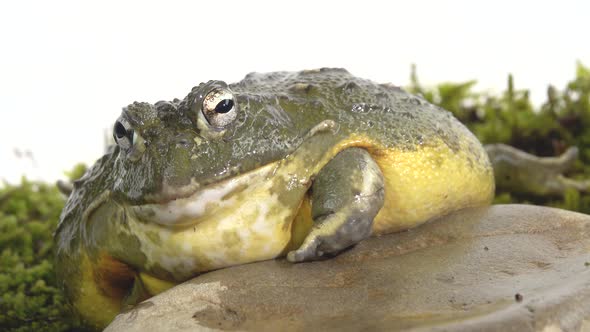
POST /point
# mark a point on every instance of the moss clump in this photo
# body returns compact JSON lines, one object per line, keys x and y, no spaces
{"x":31,"y":299}
{"x":563,"y":120}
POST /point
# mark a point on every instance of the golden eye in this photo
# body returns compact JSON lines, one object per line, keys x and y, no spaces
{"x":219,"y":108}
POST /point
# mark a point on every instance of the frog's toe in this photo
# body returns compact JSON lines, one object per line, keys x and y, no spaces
{"x":312,"y":250}
{"x":307,"y":252}
{"x":334,"y":234}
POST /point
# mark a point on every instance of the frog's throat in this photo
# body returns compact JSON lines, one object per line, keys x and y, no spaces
{"x":206,"y":201}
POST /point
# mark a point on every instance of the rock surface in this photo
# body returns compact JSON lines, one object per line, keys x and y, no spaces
{"x":502,"y":268}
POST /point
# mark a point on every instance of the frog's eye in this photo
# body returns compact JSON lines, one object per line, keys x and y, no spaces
{"x":123,"y":134}
{"x":219,"y":108}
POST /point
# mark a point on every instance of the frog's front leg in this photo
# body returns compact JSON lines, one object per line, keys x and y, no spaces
{"x":345,"y":197}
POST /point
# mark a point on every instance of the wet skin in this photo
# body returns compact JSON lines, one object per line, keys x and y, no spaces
{"x":301,"y":165}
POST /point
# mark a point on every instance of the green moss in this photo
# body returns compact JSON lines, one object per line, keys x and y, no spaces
{"x":31,"y":299}
{"x":77,"y":171}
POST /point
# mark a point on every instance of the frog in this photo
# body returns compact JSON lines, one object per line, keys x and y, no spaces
{"x":295,"y":165}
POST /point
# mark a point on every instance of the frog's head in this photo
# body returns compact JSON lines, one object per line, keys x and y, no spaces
{"x":172,"y":149}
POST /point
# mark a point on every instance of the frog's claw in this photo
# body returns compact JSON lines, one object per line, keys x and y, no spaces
{"x":518,"y":171}
{"x":346,"y":196}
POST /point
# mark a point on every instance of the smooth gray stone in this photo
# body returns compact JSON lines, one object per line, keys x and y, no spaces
{"x":459,"y":273}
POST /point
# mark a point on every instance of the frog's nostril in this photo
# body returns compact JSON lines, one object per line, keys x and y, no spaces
{"x":183,"y":142}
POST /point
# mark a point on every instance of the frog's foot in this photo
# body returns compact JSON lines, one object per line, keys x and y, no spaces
{"x":136,"y":294}
{"x":333,"y":234}
{"x":518,"y":171}
{"x":346,"y":196}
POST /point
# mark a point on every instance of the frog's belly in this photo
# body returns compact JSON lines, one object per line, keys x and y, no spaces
{"x":431,"y":182}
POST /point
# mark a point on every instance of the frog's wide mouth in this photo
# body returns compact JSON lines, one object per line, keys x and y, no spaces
{"x":190,"y":204}
{"x":187,"y":209}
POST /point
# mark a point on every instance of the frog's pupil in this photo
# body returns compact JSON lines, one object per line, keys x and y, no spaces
{"x":224,"y":106}
{"x":120,"y":130}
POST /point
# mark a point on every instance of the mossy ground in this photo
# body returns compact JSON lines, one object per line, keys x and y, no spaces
{"x":31,"y":299}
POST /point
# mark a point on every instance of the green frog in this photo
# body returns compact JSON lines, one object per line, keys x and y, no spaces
{"x":299,"y":165}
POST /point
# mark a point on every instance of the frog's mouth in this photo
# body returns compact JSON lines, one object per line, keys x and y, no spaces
{"x":191,"y":209}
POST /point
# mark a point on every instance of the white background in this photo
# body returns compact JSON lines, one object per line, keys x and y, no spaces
{"x":68,"y":67}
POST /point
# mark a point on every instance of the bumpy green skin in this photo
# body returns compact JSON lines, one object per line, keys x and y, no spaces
{"x":276,"y":112}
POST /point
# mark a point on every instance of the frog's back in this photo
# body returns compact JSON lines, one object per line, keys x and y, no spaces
{"x":431,"y":163}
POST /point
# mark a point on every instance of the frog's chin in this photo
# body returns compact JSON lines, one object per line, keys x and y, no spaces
{"x":193,"y":208}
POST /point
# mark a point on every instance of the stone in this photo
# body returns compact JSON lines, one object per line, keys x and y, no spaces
{"x":498,"y":268}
